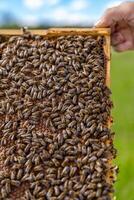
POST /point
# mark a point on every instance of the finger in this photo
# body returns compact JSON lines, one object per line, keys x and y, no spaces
{"x":110,"y":18}
{"x":117,"y":38}
{"x":124,"y":46}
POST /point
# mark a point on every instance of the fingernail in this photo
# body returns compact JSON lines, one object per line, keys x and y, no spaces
{"x":97,"y":23}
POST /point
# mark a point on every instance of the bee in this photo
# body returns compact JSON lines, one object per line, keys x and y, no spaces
{"x":15,"y":183}
{"x":65,"y":170}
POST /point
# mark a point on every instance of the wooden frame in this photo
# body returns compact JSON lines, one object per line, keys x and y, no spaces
{"x":54,"y":32}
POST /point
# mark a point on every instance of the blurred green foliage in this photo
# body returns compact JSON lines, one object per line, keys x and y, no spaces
{"x":122,"y":83}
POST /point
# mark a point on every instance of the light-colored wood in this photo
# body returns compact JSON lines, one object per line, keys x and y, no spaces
{"x":108,"y":58}
{"x":59,"y":31}
{"x":107,"y":51}
{"x":82,"y":31}
{"x":20,"y":32}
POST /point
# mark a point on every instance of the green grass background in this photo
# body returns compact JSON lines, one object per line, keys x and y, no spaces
{"x":122,"y":84}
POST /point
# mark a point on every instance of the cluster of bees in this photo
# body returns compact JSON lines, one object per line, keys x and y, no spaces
{"x":55,"y":143}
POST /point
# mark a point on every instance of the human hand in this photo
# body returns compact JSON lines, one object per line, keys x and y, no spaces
{"x":121,"y":21}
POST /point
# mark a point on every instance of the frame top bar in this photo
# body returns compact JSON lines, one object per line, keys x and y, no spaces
{"x":56,"y":31}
